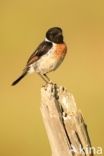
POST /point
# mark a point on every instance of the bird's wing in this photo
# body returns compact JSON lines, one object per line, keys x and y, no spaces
{"x":41,"y":50}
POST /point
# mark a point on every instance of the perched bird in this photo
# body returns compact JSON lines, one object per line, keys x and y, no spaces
{"x":48,"y":55}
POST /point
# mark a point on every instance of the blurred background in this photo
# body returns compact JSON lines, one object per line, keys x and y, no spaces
{"x":22,"y":27}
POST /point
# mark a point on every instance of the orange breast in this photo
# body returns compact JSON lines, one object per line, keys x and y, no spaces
{"x":61,"y":50}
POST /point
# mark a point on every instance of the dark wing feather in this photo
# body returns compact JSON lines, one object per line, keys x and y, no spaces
{"x":41,"y":50}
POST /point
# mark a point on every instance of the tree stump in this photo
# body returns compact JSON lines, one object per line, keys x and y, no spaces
{"x":64,"y":123}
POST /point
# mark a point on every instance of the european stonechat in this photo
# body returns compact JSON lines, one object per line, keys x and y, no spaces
{"x":48,"y":55}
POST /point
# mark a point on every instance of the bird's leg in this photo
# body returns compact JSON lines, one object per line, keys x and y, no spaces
{"x":46,"y":77}
{"x":43,"y":78}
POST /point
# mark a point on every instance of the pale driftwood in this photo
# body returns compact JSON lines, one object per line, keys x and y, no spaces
{"x":64,"y":123}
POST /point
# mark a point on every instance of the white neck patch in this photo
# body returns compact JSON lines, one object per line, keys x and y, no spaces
{"x":49,"y":41}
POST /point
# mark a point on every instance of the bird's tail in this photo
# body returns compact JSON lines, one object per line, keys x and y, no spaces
{"x":21,"y":77}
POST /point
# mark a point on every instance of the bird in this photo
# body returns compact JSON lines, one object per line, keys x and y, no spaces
{"x":47,"y":57}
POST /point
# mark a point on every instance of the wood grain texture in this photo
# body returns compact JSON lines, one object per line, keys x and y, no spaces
{"x":64,"y":123}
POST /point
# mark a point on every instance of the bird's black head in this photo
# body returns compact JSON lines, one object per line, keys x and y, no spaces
{"x":55,"y":35}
